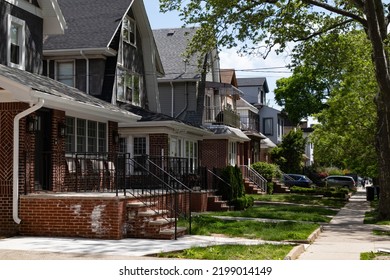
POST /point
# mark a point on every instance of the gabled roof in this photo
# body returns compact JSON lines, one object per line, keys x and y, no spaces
{"x":171,"y":44}
{"x":24,"y":86}
{"x":91,"y":23}
{"x":253,"y":82}
{"x":48,"y":10}
{"x":228,"y":76}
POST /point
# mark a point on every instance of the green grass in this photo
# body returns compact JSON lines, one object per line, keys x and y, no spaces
{"x":284,"y":212}
{"x":381,"y":232}
{"x":374,"y":256}
{"x":371,"y":217}
{"x":303,"y":199}
{"x":233,"y":252}
{"x":206,"y":225}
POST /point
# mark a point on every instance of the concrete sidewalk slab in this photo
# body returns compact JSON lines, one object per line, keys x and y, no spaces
{"x":346,"y":236}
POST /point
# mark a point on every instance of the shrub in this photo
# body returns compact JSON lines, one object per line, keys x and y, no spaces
{"x":242,"y":203}
{"x":232,"y":186}
{"x":267,"y":170}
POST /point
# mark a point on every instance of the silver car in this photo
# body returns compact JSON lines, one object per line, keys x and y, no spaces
{"x":340,"y":181}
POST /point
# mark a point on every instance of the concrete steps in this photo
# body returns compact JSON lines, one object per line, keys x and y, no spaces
{"x":146,"y":220}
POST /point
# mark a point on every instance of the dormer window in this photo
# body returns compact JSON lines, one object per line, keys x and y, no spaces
{"x":16,"y":46}
{"x":129,"y":31}
{"x":129,"y":87}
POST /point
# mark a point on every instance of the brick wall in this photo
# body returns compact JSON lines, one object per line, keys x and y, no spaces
{"x":72,"y":216}
{"x":214,"y":153}
{"x":8,"y":111}
{"x":157,"y":143}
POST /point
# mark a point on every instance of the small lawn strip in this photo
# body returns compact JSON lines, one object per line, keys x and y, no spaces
{"x":207,"y":225}
{"x":232,"y":252}
{"x":303,"y":199}
{"x":374,"y":256}
{"x":284,"y":212}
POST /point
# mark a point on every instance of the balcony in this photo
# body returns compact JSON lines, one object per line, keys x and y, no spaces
{"x":224,"y":116}
{"x":251,"y":124}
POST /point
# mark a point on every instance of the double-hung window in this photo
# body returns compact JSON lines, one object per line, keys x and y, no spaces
{"x":65,"y":72}
{"x":16,"y":45}
{"x":129,"y":87}
{"x":129,"y":31}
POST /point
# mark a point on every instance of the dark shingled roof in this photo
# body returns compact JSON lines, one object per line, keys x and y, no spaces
{"x":171,"y":44}
{"x":255,"y":81}
{"x":147,"y":115}
{"x":91,"y":23}
{"x":49,"y":86}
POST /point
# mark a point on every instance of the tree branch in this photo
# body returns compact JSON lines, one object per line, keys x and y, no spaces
{"x":333,"y":9}
{"x":324,"y":31}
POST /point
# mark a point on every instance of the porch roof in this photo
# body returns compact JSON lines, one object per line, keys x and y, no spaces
{"x":155,"y":120}
{"x":267,"y":143}
{"x":22,"y":86}
{"x":227,"y":132}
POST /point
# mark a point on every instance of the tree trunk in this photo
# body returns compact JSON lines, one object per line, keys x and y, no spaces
{"x":383,"y":150}
{"x":376,"y":31}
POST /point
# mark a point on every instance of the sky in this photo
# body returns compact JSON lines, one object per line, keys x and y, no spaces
{"x":245,"y":66}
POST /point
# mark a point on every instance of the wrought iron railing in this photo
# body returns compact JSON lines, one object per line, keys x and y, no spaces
{"x":255,"y":177}
{"x":149,"y":180}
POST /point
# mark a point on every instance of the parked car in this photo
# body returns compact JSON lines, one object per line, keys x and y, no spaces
{"x":340,"y":181}
{"x":297,"y":180}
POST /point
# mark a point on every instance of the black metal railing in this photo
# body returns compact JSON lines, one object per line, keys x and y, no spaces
{"x":151,"y":180}
{"x":255,"y":177}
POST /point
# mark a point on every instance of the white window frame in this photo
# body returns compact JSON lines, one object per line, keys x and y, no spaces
{"x":73,"y":137}
{"x":232,"y":153}
{"x":57,"y":72}
{"x":127,"y":85}
{"x":21,"y":42}
{"x":129,"y":31}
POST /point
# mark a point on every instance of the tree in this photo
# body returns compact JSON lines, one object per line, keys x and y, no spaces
{"x":345,"y":135}
{"x":267,"y":24}
{"x":289,"y":153}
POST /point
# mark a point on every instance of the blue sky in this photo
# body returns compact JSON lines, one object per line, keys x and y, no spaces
{"x":245,"y":66}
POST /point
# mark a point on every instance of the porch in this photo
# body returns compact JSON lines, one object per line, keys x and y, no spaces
{"x":113,"y":196}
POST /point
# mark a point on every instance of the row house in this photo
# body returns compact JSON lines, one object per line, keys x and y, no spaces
{"x":271,"y":120}
{"x":205,"y":98}
{"x":105,"y":136}
{"x":35,"y":111}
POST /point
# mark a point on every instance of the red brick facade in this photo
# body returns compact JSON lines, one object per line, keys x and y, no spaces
{"x":158,"y":144}
{"x":58,"y":183}
{"x":214,"y":153}
{"x":72,"y":216}
{"x":8,"y":111}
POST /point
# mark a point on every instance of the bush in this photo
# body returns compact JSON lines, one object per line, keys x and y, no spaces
{"x":242,"y":203}
{"x":232,"y":186}
{"x":327,"y":192}
{"x":267,"y":170}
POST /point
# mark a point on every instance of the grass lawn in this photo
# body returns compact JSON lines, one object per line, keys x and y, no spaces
{"x":284,"y":212}
{"x":303,"y":199}
{"x":302,"y":220}
{"x":233,"y":252}
{"x":371,"y":217}
{"x":280,"y":231}
{"x":374,"y":256}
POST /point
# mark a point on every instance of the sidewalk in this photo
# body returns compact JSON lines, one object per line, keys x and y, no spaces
{"x":345,"y":237}
{"x":47,"y":248}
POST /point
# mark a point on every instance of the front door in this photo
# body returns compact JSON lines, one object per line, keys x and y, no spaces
{"x":43,"y":148}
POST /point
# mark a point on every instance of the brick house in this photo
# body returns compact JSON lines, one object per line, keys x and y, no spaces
{"x":83,"y":104}
{"x":34,"y":112}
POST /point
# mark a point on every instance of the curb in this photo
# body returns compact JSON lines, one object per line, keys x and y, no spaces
{"x":299,"y":249}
